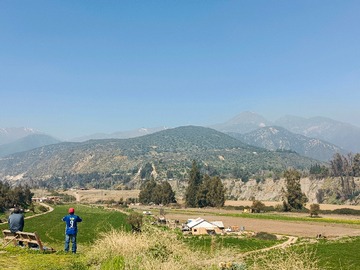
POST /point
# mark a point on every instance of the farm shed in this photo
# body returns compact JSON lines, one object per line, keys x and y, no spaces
{"x":201,"y":226}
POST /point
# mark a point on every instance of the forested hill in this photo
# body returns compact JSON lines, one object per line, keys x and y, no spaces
{"x":170,"y":150}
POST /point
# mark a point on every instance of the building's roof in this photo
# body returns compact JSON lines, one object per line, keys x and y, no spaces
{"x":220,"y":224}
{"x":200,"y":222}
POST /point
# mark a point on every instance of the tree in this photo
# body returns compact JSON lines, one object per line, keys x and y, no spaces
{"x":314,"y":209}
{"x":257,"y":206}
{"x":202,"y":194}
{"x":156,"y":193}
{"x":147,"y":191}
{"x":145,"y":172}
{"x":216,"y":193}
{"x":345,"y":167}
{"x":318,"y":171}
{"x":195,"y":180}
{"x":168,"y":195}
{"x":356,"y":165}
{"x":294,"y":198}
{"x":19,"y":196}
{"x":135,"y":220}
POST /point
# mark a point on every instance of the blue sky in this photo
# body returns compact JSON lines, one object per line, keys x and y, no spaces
{"x":72,"y":68}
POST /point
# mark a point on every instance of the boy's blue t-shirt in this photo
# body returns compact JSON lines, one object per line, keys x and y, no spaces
{"x":71,"y":223}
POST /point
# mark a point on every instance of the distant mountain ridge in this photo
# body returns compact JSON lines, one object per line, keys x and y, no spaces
{"x":341,"y":134}
{"x":26,"y":143}
{"x":242,"y":123}
{"x":171,"y":150}
{"x":8,"y":135}
{"x":278,"y":138}
{"x":120,"y":134}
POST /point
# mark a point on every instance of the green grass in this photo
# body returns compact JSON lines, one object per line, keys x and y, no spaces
{"x":331,"y":255}
{"x":240,"y":244}
{"x":51,"y":228}
{"x":20,"y":258}
{"x":342,"y":254}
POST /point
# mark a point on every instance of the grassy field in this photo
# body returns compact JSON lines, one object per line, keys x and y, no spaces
{"x":96,"y":220}
{"x":245,"y":244}
{"x":104,"y":242}
{"x":342,"y":254}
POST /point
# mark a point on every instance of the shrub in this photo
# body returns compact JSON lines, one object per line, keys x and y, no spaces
{"x":314,"y":209}
{"x":43,"y":208}
{"x":265,"y":236}
{"x":135,"y":220}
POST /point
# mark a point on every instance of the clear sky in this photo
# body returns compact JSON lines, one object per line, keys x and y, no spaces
{"x":72,"y":68}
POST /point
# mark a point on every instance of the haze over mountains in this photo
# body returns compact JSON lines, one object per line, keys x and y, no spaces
{"x":316,"y":137}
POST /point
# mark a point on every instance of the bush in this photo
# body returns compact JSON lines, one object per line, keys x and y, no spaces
{"x":135,"y":220}
{"x":265,"y":236}
{"x":314,"y":209}
{"x":43,"y":208}
{"x":346,"y":211}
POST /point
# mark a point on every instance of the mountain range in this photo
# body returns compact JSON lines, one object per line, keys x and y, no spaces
{"x":341,"y":134}
{"x":318,"y":137}
{"x":170,"y":152}
{"x":277,"y":138}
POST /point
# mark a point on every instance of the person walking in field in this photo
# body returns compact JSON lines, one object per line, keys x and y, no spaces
{"x":71,"y":229}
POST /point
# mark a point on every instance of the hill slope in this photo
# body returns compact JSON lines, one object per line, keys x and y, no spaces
{"x":169,"y":150}
{"x":341,"y":134}
{"x":26,"y":143}
{"x":277,"y":138}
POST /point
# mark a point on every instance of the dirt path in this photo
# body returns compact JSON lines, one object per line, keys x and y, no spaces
{"x":290,"y":241}
{"x":45,"y":205}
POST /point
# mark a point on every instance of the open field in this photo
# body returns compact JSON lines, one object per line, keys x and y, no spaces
{"x":94,"y":195}
{"x":337,"y":226}
{"x":120,"y":247}
{"x":342,"y":225}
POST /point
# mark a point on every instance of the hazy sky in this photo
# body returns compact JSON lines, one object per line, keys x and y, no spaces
{"x":71,"y":68}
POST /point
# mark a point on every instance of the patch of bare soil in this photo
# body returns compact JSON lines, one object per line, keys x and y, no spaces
{"x":95,"y":195}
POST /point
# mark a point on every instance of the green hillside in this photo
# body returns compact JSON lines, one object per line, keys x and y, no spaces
{"x":171,"y":150}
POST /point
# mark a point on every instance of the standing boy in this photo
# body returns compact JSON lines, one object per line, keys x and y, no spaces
{"x":71,"y":229}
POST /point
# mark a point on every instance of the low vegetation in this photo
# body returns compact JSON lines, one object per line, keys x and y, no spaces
{"x":106,"y":242}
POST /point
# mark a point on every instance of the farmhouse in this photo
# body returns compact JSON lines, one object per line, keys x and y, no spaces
{"x":201,"y":226}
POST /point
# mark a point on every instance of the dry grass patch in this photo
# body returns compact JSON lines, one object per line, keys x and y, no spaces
{"x":154,"y":248}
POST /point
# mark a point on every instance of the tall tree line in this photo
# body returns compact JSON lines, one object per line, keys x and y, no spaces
{"x":158,"y":193}
{"x":203,"y":190}
{"x":19,"y":196}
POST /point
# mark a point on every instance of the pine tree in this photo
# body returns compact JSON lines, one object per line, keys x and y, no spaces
{"x":294,"y":198}
{"x":202,"y":194}
{"x":168,"y":195}
{"x":195,"y":180}
{"x":147,"y":191}
{"x":216,"y":194}
{"x":356,"y":165}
